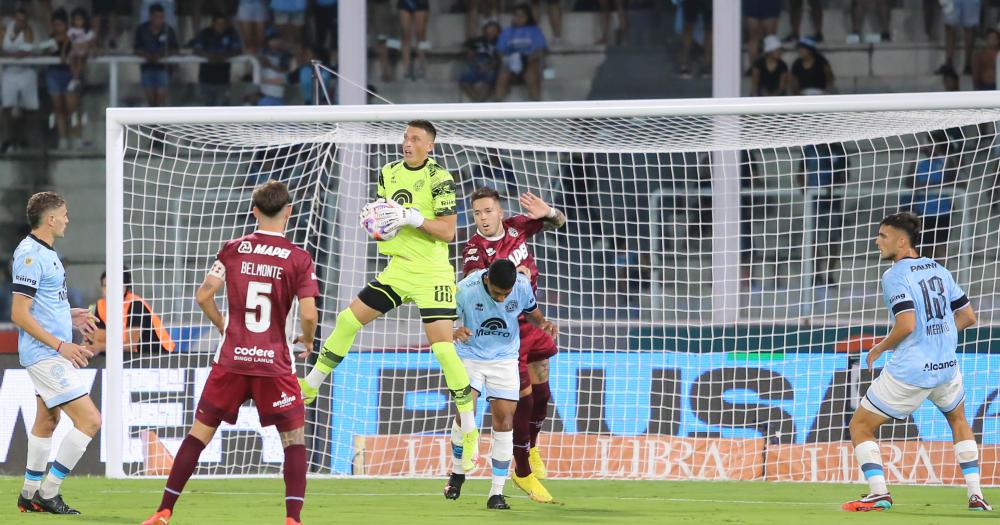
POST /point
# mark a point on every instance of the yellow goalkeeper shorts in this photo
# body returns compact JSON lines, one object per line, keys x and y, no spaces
{"x":432,"y":291}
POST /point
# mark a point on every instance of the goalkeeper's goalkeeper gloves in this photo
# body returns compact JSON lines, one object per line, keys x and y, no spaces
{"x":396,"y":216}
{"x":366,"y":210}
{"x":308,"y":393}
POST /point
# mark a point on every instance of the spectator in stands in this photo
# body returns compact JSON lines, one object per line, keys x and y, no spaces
{"x":555,"y":17}
{"x":58,"y":76}
{"x":382,"y":15}
{"x":169,"y":11}
{"x":630,"y":274}
{"x":769,"y":74}
{"x":413,"y":20}
{"x":275,"y":65}
{"x":521,"y":46}
{"x":18,"y":84}
{"x":217,"y":43}
{"x":692,"y":11}
{"x":811,"y":73}
{"x":250,"y":18}
{"x":326,"y":23}
{"x":984,"y":67}
{"x":303,"y":76}
{"x":795,"y":20}
{"x":496,"y":173}
{"x":154,"y":41}
{"x":824,"y":171}
{"x":605,"y":6}
{"x":949,"y":80}
{"x":482,"y":61}
{"x":290,"y":17}
{"x":144,"y":332}
{"x":934,"y":171}
{"x":963,"y":16}
{"x":859,"y":8}
{"x":81,"y":38}
{"x":106,"y":23}
{"x":761,"y":19}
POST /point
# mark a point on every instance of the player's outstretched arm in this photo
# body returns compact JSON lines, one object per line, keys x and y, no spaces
{"x":20,"y":315}
{"x":536,"y":208}
{"x":205,"y":296}
{"x":906,"y":322}
{"x":965,"y":317}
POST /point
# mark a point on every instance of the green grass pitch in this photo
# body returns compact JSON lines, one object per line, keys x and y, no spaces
{"x":418,"y":501}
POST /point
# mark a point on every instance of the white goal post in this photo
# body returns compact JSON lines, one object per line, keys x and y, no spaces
{"x":714,"y":288}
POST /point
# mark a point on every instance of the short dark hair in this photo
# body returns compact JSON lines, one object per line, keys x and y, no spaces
{"x":907,"y":221}
{"x":217,"y":14}
{"x":526,"y":9}
{"x":126,"y":278}
{"x":41,"y":203}
{"x":156,"y":8}
{"x":59,"y":14}
{"x":79,"y":11}
{"x":485,"y":192}
{"x":424,"y":125}
{"x":271,"y":197}
{"x":502,"y":274}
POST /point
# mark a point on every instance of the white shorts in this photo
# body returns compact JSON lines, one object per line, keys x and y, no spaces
{"x":893,"y":398}
{"x":19,"y":88}
{"x":56,"y":381}
{"x":494,"y":379}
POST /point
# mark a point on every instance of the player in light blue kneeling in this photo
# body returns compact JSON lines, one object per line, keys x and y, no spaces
{"x":45,"y":346}
{"x":928,"y":310}
{"x":488,"y":341}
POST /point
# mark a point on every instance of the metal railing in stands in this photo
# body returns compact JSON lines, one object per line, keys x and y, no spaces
{"x":114,"y":61}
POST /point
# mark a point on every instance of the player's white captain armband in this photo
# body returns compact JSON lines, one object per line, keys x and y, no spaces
{"x":218,"y":270}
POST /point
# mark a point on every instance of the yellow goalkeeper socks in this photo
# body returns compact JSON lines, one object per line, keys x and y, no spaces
{"x":335,"y":347}
{"x":454,"y":375}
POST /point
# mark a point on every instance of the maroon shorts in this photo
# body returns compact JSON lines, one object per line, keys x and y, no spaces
{"x":536,"y":345}
{"x":278,"y":399}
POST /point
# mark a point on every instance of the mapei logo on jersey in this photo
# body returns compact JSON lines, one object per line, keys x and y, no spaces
{"x":284,"y":401}
{"x":931,"y":367}
{"x":493,"y":326}
{"x":511,"y":306}
{"x":245,"y":247}
{"x":273,"y":251}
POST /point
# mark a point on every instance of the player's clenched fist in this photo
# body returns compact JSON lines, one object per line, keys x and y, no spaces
{"x":549,"y":328}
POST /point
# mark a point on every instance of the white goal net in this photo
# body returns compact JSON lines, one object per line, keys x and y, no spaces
{"x":716,"y":286}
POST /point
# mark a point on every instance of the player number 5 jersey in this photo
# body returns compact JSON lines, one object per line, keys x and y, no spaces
{"x":264,"y":272}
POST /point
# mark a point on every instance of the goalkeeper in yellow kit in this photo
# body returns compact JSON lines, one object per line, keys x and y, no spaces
{"x":422,"y":198}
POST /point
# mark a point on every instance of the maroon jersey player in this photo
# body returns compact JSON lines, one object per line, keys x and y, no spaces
{"x":498,"y":237}
{"x":263,"y":274}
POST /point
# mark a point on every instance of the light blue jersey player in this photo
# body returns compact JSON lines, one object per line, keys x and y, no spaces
{"x":45,"y":321}
{"x":488,"y":340}
{"x":928,"y":310}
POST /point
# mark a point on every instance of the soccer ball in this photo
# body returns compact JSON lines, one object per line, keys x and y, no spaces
{"x":370,"y":223}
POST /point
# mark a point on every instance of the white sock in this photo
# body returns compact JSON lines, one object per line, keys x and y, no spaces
{"x":70,"y":451}
{"x":34,"y":468}
{"x":503,"y":450}
{"x":870,"y":460}
{"x":468,"y":421}
{"x":456,"y":448}
{"x":967,"y":455}
{"x":315,"y":378}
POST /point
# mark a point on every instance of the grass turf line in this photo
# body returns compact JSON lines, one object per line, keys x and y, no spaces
{"x":419,"y":501}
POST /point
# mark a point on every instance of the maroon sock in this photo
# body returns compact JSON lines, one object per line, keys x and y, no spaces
{"x":185,"y":462}
{"x":295,"y":481}
{"x":522,"y":435}
{"x":540,"y":409}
